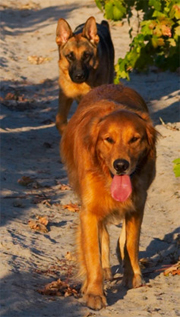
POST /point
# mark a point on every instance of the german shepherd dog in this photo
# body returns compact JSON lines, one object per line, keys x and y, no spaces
{"x":86,"y":60}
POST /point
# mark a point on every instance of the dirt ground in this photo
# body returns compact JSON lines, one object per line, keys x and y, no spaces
{"x":32,"y":175}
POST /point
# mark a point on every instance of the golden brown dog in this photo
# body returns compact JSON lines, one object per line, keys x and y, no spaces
{"x":86,"y":60}
{"x":109,"y":151}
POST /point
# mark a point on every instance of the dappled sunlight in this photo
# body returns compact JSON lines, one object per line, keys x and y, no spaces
{"x":26,"y":129}
{"x":34,"y":183}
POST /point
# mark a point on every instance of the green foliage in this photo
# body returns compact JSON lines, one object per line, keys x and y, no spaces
{"x":113,"y":10}
{"x":157,"y":42}
{"x":176,"y":167}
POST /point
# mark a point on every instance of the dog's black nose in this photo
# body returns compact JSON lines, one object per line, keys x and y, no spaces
{"x":121,"y":165}
{"x":80,"y":76}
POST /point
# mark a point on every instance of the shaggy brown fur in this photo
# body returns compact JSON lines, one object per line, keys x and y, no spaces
{"x":111,"y":125}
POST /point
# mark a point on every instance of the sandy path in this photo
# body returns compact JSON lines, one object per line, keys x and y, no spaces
{"x":30,"y":147}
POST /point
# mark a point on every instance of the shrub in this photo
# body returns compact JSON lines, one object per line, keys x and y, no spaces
{"x":157,"y":42}
{"x":176,"y":167}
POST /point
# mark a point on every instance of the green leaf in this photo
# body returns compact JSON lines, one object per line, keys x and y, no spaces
{"x":155,"y":42}
{"x":172,"y":42}
{"x":158,"y":15}
{"x":176,"y":167}
{"x":99,"y":4}
{"x":147,"y":27}
{"x":120,"y":5}
{"x":176,"y":161}
{"x":156,"y":4}
{"x":117,"y":14}
{"x":109,"y":10}
{"x":177,"y":30}
{"x":115,"y":9}
{"x":175,"y":12}
{"x":121,"y":69}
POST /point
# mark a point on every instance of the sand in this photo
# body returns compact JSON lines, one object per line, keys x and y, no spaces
{"x":32,"y":175}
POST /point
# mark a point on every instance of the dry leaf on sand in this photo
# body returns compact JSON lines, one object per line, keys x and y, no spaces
{"x":38,"y":59}
{"x":173,"y":269}
{"x":39,"y":199}
{"x":47,"y":202}
{"x":145,"y":263}
{"x":59,"y":288}
{"x":64,"y":187}
{"x":25,"y":180}
{"x":71,"y":207}
{"x":39,"y":225}
{"x":42,"y":220}
{"x":70,"y":257}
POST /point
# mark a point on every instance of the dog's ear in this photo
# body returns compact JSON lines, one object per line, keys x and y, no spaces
{"x":151,"y":132}
{"x":63,"y":32}
{"x":90,"y":31}
{"x":91,"y":136}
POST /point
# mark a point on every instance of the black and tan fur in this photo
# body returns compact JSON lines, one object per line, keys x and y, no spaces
{"x":86,"y":60}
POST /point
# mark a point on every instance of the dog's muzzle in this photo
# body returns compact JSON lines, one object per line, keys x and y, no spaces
{"x":79,"y":76}
{"x":121,"y":166}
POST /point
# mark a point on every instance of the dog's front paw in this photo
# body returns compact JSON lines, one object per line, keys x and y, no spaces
{"x":95,"y":302}
{"x":133,"y":281}
{"x":137,"y":281}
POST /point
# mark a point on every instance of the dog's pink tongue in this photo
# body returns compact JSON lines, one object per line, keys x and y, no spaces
{"x":121,"y":187}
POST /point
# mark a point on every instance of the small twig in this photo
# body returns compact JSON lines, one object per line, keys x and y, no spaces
{"x":167,"y":126}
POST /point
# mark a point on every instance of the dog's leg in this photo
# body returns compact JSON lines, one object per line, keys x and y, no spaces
{"x":94,"y":295}
{"x":63,"y":110}
{"x":105,"y":252}
{"x":132,"y":273}
{"x":121,"y":244}
{"x":122,"y":241}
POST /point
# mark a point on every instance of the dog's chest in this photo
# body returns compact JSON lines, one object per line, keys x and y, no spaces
{"x":73,"y":90}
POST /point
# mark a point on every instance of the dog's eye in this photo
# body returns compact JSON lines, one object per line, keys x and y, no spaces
{"x":70,"y":56}
{"x":109,"y":140}
{"x":87,"y":56}
{"x":133,"y":139}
